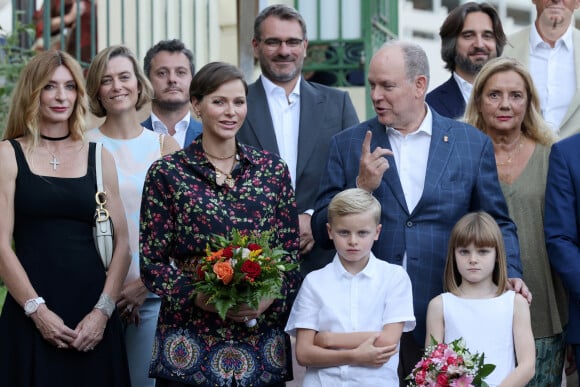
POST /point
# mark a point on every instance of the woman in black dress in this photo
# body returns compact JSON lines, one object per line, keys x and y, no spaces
{"x":59,"y":326}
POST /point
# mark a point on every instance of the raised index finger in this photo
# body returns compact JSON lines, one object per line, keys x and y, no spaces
{"x":366,"y":145}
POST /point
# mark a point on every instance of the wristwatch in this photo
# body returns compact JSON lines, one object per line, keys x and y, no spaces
{"x":32,"y":305}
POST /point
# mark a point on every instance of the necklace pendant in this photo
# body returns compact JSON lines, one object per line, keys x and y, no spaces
{"x":229,"y":182}
{"x":54,"y":162}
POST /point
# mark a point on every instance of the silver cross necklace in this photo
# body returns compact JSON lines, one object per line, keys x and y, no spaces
{"x":54,"y":162}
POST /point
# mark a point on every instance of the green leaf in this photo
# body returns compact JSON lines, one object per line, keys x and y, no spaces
{"x":486,"y":370}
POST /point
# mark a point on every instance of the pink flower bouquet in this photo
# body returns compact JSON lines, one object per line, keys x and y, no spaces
{"x":450,"y":365}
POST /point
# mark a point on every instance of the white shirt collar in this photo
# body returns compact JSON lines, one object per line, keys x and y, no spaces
{"x":426,"y":125}
{"x":537,"y":41}
{"x":368,"y":271}
{"x":182,"y":125}
{"x":464,"y":86}
{"x":270,"y":87}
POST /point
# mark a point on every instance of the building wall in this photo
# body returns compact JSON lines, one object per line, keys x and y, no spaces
{"x":209,"y":27}
{"x":420,"y":20}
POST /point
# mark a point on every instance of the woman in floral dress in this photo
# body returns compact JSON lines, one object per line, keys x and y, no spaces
{"x":211,"y":187}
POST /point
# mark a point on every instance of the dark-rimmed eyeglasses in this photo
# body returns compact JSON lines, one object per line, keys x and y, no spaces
{"x":274,"y":43}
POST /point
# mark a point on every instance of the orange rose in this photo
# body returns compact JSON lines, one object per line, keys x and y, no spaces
{"x":224,"y":271}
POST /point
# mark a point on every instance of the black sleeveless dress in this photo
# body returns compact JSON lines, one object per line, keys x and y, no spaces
{"x":53,"y":241}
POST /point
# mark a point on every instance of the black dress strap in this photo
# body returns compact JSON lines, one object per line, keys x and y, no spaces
{"x":91,"y":163}
{"x":21,"y":162}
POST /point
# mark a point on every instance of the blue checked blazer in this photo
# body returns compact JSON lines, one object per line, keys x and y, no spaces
{"x":461,"y":177}
{"x":447,"y":99}
{"x":562,"y":224}
{"x":193,"y":130}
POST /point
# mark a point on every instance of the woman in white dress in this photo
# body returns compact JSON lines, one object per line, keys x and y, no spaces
{"x":117,"y":89}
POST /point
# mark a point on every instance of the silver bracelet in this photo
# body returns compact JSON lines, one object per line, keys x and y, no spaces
{"x":105,"y":305}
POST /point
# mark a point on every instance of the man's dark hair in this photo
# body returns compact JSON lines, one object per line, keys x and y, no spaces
{"x":282,"y":12}
{"x":174,"y":45}
{"x":453,"y":25}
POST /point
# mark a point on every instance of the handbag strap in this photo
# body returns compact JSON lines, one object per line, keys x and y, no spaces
{"x":99,"y":167}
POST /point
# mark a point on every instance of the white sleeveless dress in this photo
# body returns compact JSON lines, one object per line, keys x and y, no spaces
{"x":486,"y":325}
{"x":133,"y":157}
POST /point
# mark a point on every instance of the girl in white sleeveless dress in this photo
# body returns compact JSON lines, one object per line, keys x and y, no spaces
{"x":479,"y":308}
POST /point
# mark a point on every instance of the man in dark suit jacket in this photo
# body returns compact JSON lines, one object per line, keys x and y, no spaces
{"x":471,"y":35}
{"x":316,"y":111}
{"x":169,"y":66}
{"x":562,"y":227}
{"x":426,"y":170}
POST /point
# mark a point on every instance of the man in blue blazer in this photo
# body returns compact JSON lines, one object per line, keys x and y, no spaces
{"x":562,"y":227}
{"x":169,"y":66}
{"x":471,"y":35}
{"x":426,"y":170}
{"x":292,"y":117}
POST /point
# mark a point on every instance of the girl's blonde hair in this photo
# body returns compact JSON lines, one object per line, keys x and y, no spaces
{"x":97,"y":70}
{"x":533,"y":125}
{"x":482,"y":230}
{"x":24,"y":114}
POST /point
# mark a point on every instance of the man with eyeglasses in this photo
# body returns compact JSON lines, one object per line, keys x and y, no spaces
{"x":292,"y":117}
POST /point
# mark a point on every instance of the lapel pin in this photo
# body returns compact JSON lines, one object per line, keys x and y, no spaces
{"x":445,"y":139}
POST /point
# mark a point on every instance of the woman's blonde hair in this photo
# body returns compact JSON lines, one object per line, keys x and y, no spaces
{"x":533,"y":125}
{"x":482,"y":230}
{"x":24,"y":114}
{"x":97,"y":70}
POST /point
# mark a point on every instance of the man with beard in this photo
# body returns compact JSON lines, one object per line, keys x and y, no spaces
{"x":550,"y":49}
{"x":169,"y":66}
{"x":292,"y":117}
{"x":471,"y":35}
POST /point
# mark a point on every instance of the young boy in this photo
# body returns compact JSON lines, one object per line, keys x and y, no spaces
{"x":348,"y":317}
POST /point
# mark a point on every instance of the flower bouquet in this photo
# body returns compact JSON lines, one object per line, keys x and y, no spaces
{"x":241,"y":269}
{"x":450,"y":365}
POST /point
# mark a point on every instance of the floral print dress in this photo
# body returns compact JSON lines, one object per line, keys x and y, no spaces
{"x":181,"y":207}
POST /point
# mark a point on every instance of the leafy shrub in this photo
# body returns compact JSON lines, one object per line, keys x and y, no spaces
{"x":13,"y":57}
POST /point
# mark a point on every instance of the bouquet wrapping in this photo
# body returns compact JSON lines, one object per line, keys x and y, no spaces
{"x":241,"y":269}
{"x":450,"y":365}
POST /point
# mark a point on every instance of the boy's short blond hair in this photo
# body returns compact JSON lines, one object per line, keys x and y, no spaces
{"x":354,"y":201}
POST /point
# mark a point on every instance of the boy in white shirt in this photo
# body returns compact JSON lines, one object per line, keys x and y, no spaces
{"x":348,"y":317}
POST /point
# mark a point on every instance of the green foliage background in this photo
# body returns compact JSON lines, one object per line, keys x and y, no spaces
{"x":13,"y":58}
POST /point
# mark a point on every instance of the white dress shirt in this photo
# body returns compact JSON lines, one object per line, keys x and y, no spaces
{"x":180,"y":127}
{"x":285,"y":113}
{"x":411,"y":153}
{"x":554,"y":75}
{"x":334,"y":300}
{"x":464,"y":86}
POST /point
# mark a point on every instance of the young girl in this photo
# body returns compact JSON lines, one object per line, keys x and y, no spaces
{"x":479,"y":308}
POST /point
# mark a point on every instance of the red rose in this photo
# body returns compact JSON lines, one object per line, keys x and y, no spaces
{"x":200,"y":273}
{"x":228,"y":252}
{"x":251,"y":268}
{"x":442,"y":380}
{"x":420,"y":377}
{"x":254,"y":246}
